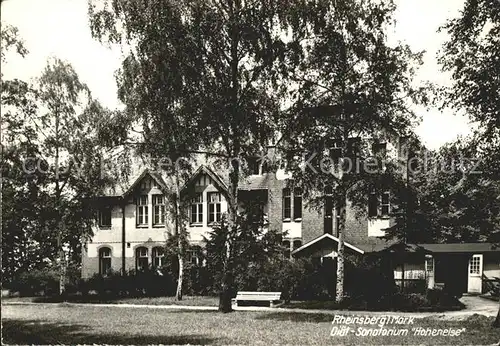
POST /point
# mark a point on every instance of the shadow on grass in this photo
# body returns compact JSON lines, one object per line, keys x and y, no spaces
{"x":296,"y":317}
{"x":40,"y":332}
{"x":111,"y":299}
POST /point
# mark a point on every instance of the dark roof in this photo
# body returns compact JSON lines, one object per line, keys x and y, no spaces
{"x":461,"y":247}
{"x":206,"y":170}
{"x":256,"y":182}
{"x":121,"y":190}
{"x":320,"y":242}
{"x":373,"y":247}
{"x":434,"y":248}
{"x":144,"y":173}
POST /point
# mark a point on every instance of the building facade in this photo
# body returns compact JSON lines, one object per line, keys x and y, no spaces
{"x":133,"y":226}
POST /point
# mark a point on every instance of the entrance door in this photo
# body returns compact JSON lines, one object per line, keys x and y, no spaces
{"x":475,"y":274}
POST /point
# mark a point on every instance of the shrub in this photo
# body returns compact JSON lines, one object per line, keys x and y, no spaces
{"x":37,"y":282}
{"x":149,"y":283}
{"x":443,"y":299}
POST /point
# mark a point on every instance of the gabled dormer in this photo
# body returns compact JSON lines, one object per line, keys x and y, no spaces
{"x":205,"y":196}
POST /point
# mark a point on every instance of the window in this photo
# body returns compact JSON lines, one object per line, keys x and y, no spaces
{"x":429,"y":264}
{"x":105,"y":217}
{"x":286,"y":249}
{"x":475,"y":265}
{"x":253,"y":165}
{"x":379,"y":207}
{"x":197,"y":209}
{"x":193,"y":255}
{"x":142,"y":211}
{"x":214,"y":207}
{"x":385,"y":205}
{"x":158,"y":257}
{"x":297,"y":203}
{"x":158,"y":210}
{"x":379,"y":149}
{"x":104,"y":260}
{"x":287,"y":205}
{"x":141,"y":258}
{"x":145,"y":184}
{"x":297,"y":244}
{"x":265,"y":166}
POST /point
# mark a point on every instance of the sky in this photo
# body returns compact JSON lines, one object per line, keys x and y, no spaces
{"x":60,"y":28}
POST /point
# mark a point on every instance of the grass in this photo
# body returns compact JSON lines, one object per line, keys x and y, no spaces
{"x":70,"y":324}
{"x":187,"y":300}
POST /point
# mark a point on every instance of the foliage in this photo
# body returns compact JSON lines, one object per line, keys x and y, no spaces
{"x":43,"y":281}
{"x":472,"y":55}
{"x":51,"y":164}
{"x":146,"y":283}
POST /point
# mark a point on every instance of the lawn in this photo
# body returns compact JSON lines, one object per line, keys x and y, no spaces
{"x":70,"y":324}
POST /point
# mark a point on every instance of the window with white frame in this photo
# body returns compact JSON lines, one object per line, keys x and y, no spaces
{"x":158,"y":210}
{"x":193,"y":255}
{"x":105,"y":217}
{"x":297,"y":203}
{"x":214,"y":207}
{"x":197,"y":209}
{"x":104,"y":260}
{"x":292,"y":201}
{"x":158,"y":257}
{"x":475,"y":265}
{"x":379,"y":205}
{"x":142,"y":210}
{"x":141,"y":258}
{"x":385,"y":204}
{"x":287,"y":204}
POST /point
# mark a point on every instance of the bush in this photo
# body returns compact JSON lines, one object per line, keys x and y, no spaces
{"x":37,"y":282}
{"x":147,"y":283}
{"x":442,"y":299}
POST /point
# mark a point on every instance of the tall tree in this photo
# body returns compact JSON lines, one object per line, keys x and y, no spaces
{"x":472,"y":55}
{"x":215,"y":67}
{"x":22,"y":243}
{"x":352,"y":89}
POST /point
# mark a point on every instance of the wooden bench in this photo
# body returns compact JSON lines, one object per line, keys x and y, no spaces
{"x":271,"y":297}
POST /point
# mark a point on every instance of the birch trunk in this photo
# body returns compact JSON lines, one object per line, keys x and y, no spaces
{"x":179,"y":233}
{"x":340,"y":252}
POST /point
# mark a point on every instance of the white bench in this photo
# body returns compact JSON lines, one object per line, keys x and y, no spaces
{"x":271,"y":297}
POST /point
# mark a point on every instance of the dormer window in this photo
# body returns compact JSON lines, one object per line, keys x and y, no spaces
{"x":214,"y":207}
{"x":158,"y":210}
{"x":142,"y":210}
{"x":197,"y":209}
